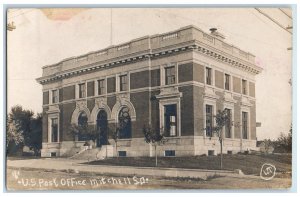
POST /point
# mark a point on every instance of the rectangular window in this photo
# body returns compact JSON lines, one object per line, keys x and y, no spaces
{"x":82,"y":90}
{"x":170,"y":120}
{"x":54,"y":96}
{"x":170,"y":75}
{"x":244,"y":86}
{"x":169,"y":153}
{"x":208,"y":76}
{"x":245,"y":125}
{"x":209,"y":120}
{"x":122,"y":153}
{"x":228,"y":125}
{"x":227,"y":82}
{"x":54,"y":130}
{"x":101,"y":87}
{"x":123,"y":83}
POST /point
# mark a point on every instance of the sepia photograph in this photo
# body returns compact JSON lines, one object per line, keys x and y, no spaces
{"x":149,"y":98}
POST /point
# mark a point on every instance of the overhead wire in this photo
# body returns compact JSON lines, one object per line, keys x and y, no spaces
{"x":285,"y":13}
{"x":273,"y":20}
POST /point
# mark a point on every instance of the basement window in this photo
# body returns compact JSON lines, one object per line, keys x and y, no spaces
{"x":170,"y":153}
{"x":122,"y":153}
{"x":211,"y":152}
{"x":53,"y":154}
{"x":229,"y":152}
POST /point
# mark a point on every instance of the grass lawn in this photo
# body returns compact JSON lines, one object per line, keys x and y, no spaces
{"x":249,"y":164}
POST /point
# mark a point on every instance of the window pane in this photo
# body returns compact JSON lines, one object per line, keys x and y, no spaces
{"x":228,"y":125}
{"x":172,"y":71}
{"x":227,"y":82}
{"x":124,"y":123}
{"x":82,"y":90}
{"x":209,"y":120}
{"x":54,"y":96}
{"x":245,"y":124}
{"x":54,"y":130}
{"x":123,"y":83}
{"x":170,"y":120}
{"x":208,"y":76}
{"x":101,"y":87}
{"x":170,"y":75}
{"x":244,"y":86}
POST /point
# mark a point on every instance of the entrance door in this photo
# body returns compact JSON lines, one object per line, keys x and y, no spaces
{"x":102,"y":128}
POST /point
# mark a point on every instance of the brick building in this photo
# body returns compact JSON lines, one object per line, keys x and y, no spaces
{"x":176,"y":81}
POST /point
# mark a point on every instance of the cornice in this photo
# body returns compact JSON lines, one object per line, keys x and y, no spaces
{"x":196,"y":47}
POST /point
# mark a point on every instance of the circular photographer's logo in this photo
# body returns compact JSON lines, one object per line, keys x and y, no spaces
{"x":267,"y":171}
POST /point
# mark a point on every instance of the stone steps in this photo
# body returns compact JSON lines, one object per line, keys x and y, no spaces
{"x":94,"y":153}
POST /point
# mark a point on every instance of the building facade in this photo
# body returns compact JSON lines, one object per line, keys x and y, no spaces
{"x":175,"y":82}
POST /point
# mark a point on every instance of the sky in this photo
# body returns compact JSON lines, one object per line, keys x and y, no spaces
{"x":46,"y":36}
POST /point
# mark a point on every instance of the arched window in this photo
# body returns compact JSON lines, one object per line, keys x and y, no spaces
{"x":124,"y":123}
{"x":102,"y":128}
{"x":82,"y":126}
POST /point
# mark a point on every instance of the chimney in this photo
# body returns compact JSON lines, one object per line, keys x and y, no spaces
{"x":214,"y":32}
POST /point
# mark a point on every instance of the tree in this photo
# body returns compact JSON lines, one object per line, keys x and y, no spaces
{"x":24,"y":129}
{"x":13,"y":135}
{"x":284,"y":141}
{"x":22,"y":120}
{"x":153,"y":137}
{"x":35,"y":135}
{"x":116,"y":137}
{"x":223,"y":118}
{"x":83,"y":132}
{"x":268,"y":146}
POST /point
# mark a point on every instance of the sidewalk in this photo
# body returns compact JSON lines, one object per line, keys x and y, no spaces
{"x":77,"y":166}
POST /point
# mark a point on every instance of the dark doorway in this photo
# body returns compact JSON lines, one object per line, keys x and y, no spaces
{"x":83,"y":127}
{"x":102,"y":128}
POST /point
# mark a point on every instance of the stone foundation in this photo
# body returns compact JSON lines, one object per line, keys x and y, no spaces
{"x":137,"y":147}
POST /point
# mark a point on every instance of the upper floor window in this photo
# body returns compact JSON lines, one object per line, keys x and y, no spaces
{"x":101,"y":87}
{"x":82,"y":92}
{"x":244,"y":86}
{"x":208,"y":76}
{"x":170,"y":75}
{"x":227,"y":82}
{"x":54,"y":96}
{"x":123,"y":83}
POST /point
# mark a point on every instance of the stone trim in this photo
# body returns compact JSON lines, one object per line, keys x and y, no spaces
{"x":122,"y":100}
{"x":100,"y":104}
{"x":81,"y":106}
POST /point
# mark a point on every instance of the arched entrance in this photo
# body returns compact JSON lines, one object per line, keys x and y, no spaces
{"x":124,"y":123}
{"x":102,"y":128}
